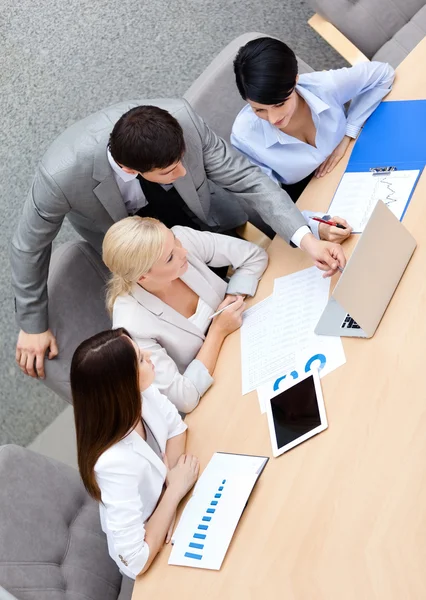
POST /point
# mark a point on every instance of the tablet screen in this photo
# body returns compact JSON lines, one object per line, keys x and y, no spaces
{"x":295,"y":412}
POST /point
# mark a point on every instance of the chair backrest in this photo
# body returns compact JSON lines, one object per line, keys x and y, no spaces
{"x":368,"y":24}
{"x":52,"y":545}
{"x":214,"y":94}
{"x":76,"y":288}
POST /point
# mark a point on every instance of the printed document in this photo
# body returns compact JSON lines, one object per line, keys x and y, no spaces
{"x":277,"y":335}
{"x":358,"y":193}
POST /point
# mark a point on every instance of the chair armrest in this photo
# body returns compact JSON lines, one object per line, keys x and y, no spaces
{"x":337,"y":40}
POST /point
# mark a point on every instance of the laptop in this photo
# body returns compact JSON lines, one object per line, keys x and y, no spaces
{"x":370,"y":278}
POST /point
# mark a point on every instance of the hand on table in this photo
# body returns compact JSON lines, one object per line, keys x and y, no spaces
{"x":329,"y":233}
{"x":335,"y":157}
{"x":183,"y":476}
{"x":31,"y":348}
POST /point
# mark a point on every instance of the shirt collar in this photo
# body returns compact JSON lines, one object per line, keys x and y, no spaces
{"x":117,"y":169}
{"x":273,"y":135}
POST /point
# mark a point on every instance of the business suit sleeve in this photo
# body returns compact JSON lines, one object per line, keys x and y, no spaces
{"x":183,"y":390}
{"x":120,"y":495}
{"x":216,"y":250}
{"x":231,"y":170}
{"x":41,"y":220}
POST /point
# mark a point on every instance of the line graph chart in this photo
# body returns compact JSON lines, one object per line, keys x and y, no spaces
{"x":358,"y":193}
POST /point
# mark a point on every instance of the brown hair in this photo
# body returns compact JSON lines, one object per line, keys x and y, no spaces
{"x":106,"y":398}
{"x":147,"y":138}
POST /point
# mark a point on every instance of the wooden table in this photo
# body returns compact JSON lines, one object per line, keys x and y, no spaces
{"x":343,"y":516}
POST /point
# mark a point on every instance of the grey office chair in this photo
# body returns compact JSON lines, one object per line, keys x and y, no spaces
{"x":52,"y":545}
{"x":383,"y":30}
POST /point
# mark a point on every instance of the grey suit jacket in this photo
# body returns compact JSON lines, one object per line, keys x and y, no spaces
{"x":74,"y":179}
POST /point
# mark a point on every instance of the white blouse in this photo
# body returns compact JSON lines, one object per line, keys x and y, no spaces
{"x":201,"y":317}
{"x":131,"y":476}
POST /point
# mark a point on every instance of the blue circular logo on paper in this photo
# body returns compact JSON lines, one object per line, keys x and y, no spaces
{"x":315,"y":357}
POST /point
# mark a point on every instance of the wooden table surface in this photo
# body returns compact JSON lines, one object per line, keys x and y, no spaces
{"x":343,"y":516}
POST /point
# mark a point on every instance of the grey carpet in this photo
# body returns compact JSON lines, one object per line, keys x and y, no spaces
{"x":61,"y":60}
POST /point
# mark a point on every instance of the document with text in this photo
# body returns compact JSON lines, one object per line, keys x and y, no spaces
{"x":358,"y":193}
{"x":277,"y":335}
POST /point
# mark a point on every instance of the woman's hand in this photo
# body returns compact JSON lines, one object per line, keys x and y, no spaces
{"x":231,"y":318}
{"x":182,"y":477}
{"x":329,"y":233}
{"x":337,"y":154}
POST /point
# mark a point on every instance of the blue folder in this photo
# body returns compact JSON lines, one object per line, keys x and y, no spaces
{"x":394,"y":136}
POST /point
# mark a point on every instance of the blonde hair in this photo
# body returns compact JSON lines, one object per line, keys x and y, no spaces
{"x":130,"y":249}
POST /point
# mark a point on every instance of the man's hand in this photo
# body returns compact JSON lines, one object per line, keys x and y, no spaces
{"x":337,"y":154}
{"x":31,"y":348}
{"x":329,"y":233}
{"x":326,"y":256}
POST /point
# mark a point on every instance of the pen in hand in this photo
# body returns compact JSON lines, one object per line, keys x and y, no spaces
{"x":222,"y":309}
{"x":331,"y":223}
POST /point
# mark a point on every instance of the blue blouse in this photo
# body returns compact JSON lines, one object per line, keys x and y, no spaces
{"x":288,"y":160}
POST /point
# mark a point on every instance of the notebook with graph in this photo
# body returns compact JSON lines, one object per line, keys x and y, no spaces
{"x":390,"y":138}
{"x":211,"y":515}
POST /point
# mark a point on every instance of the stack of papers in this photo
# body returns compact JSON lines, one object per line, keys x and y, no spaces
{"x":212,"y":513}
{"x":277,"y":335}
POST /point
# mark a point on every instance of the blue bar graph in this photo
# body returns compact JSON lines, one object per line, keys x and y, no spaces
{"x":194,"y":545}
{"x":191,"y":555}
{"x":200,"y":536}
{"x":210,"y":510}
{"x":224,"y":481}
{"x":213,"y":502}
{"x":206,"y":519}
{"x":217,"y":495}
{"x":203,"y":526}
{"x":220,"y":488}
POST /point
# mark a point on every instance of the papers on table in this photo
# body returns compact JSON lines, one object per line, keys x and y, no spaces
{"x":212,"y":513}
{"x":277,"y":335}
{"x":358,"y":194}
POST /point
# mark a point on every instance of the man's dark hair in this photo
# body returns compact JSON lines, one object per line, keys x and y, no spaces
{"x":147,"y":138}
{"x":265,"y":71}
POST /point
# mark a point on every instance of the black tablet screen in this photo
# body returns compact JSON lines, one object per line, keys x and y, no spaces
{"x":295,"y":412}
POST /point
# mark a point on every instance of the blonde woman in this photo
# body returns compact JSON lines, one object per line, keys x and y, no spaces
{"x":163,"y":293}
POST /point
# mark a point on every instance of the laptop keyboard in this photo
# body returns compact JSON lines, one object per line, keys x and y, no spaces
{"x":349,"y":323}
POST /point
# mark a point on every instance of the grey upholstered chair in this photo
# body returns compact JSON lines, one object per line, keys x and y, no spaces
{"x":77,"y":275}
{"x":384,"y":30}
{"x":52,"y":546}
{"x":76,"y":288}
{"x":214,"y":95}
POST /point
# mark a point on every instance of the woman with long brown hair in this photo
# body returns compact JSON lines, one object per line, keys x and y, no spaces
{"x":131,"y":447}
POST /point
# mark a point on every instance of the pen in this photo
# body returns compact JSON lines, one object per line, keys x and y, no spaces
{"x":222,"y":309}
{"x":331,"y":223}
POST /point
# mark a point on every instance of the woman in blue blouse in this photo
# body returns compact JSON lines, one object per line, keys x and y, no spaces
{"x":294,"y":126}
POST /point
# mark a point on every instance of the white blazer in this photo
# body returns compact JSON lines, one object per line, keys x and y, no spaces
{"x":131,"y":476}
{"x":173,"y":340}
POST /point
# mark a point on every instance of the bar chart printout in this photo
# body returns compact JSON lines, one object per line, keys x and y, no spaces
{"x":212,"y":513}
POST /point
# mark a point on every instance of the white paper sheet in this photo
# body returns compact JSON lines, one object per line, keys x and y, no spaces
{"x":211,"y":515}
{"x":330,"y":353}
{"x":358,"y":194}
{"x":278,"y":338}
{"x":259,"y":362}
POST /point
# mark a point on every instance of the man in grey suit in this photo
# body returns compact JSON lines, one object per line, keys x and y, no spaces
{"x":95,"y":178}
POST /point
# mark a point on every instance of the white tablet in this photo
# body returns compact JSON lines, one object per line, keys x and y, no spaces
{"x":296,"y":413}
